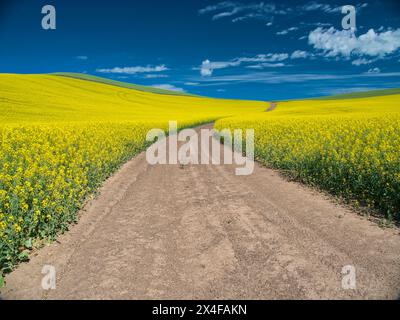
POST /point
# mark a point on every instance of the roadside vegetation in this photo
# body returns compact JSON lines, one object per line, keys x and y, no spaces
{"x":349,"y":147}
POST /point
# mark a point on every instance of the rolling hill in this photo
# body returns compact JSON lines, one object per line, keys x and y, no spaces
{"x":127,"y":85}
{"x":53,"y":98}
{"x":362,"y":94}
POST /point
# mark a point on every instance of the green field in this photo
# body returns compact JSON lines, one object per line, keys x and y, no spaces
{"x":362,"y":94}
{"x":88,"y":77}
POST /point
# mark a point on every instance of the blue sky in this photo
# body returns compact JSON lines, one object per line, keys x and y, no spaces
{"x":231,"y":49}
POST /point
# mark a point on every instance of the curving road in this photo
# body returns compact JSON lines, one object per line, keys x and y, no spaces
{"x":201,"y":232}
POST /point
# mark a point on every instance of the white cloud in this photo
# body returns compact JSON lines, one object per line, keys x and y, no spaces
{"x":207,"y":67}
{"x":347,"y":90}
{"x":260,"y":11}
{"x":266,"y":65}
{"x":270,"y":57}
{"x":82,"y":57}
{"x":344,"y":43}
{"x":155,"y":76}
{"x":374,"y":70}
{"x":134,"y":70}
{"x":168,"y":87}
{"x":218,"y":6}
{"x":277,"y":57}
{"x":225,"y":14}
{"x":258,"y":16}
{"x":299,"y":54}
{"x":361,"y":61}
{"x":279,"y":77}
{"x":316,"y":24}
{"x":286,"y":31}
{"x":238,"y":11}
{"x":315,"y":6}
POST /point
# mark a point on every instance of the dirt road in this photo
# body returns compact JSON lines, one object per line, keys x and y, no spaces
{"x":272,"y":106}
{"x":200,"y":232}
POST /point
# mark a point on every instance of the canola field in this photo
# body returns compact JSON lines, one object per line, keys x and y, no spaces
{"x":60,"y":138}
{"x":349,"y":147}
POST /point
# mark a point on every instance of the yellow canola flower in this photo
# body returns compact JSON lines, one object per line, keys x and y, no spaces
{"x":349,"y":147}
